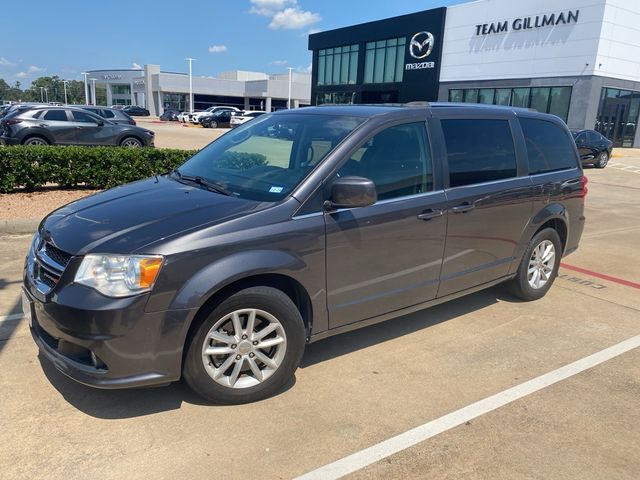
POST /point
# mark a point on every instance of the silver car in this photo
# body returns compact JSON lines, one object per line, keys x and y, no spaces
{"x":112,"y":114}
{"x":49,"y":125}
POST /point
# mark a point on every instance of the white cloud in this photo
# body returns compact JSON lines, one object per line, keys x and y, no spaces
{"x":6,"y":63}
{"x":32,"y":70}
{"x":217,"y":48}
{"x":294,"y":18}
{"x":268,"y":8}
{"x":136,"y":66}
{"x":279,"y":63}
{"x":306,"y":69}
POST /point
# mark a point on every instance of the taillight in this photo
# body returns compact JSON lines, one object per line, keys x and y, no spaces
{"x":12,"y":121}
{"x":132,"y":122}
{"x":585,"y":190}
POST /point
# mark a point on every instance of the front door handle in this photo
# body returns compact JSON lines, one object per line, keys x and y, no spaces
{"x":463,"y":208}
{"x":429,"y":214}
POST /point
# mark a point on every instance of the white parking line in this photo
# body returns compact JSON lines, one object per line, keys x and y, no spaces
{"x":430,"y":429}
{"x":8,"y":318}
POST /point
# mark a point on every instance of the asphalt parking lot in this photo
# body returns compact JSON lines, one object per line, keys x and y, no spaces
{"x":177,"y":135}
{"x":362,"y":388}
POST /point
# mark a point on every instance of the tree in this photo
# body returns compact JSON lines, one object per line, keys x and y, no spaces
{"x":54,"y":86}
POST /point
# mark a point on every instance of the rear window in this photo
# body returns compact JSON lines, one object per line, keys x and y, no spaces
{"x":479,"y":150}
{"x":549,"y":148}
{"x":55,"y":115}
{"x":107,"y":113}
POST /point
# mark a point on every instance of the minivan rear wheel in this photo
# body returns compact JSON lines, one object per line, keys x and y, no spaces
{"x":247,"y":348}
{"x":539,"y":266}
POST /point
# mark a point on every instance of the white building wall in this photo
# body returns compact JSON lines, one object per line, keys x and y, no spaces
{"x":550,"y":51}
{"x":619,"y":48}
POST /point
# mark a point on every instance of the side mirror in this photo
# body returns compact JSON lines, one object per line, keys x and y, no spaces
{"x":352,"y":192}
{"x":100,"y":123}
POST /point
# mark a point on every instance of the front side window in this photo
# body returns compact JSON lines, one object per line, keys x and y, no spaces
{"x":266,"y":159}
{"x":55,"y":116}
{"x":479,"y":150}
{"x":83,"y":117}
{"x":396,"y":159}
{"x":549,"y":148}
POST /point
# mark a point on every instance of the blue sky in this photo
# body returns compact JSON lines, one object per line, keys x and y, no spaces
{"x":66,"y":37}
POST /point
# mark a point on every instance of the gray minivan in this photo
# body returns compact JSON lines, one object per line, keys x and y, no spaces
{"x":296,"y":226}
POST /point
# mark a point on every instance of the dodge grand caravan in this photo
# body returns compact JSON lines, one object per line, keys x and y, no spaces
{"x":296,"y":226}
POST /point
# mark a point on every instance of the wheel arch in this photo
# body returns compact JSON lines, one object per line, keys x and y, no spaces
{"x":36,"y":132}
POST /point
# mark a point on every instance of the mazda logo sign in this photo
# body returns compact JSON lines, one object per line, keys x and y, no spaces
{"x":421,"y":45}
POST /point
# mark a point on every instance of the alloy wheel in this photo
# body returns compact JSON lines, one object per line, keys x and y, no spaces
{"x":131,"y":143}
{"x":541,"y":264}
{"x":603,"y":159}
{"x":244,"y":348}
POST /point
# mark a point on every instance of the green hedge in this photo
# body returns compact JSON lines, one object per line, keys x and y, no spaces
{"x":30,"y":167}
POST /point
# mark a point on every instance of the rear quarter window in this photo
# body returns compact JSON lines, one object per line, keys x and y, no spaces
{"x":479,"y":150}
{"x":549,"y":148}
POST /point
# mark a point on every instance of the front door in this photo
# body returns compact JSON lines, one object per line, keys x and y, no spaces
{"x":88,"y":130}
{"x":387,"y":256}
{"x":488,"y":205}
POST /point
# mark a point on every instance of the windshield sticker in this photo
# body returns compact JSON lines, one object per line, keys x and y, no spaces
{"x":276,"y":189}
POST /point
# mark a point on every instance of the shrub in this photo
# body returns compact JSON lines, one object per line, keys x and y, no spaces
{"x":33,"y":166}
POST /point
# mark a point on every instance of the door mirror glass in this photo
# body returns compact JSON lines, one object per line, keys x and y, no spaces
{"x":352,"y":192}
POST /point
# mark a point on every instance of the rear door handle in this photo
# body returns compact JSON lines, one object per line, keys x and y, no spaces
{"x":429,"y":214}
{"x":463,"y":208}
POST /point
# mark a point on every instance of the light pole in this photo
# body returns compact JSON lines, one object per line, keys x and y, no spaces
{"x":289,"y":97}
{"x":190,"y":60}
{"x":41,"y":95}
{"x":93,"y":91}
{"x":86,"y":89}
{"x":64,"y":85}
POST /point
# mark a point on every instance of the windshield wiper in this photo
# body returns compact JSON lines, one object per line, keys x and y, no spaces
{"x":208,"y":184}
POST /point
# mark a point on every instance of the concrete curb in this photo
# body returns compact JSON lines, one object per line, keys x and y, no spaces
{"x":18,"y":226}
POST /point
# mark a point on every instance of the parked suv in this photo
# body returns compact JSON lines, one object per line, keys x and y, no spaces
{"x":112,"y":114}
{"x":68,"y":126}
{"x":294,"y":227}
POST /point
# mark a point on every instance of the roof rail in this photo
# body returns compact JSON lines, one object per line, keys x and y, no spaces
{"x":419,"y":103}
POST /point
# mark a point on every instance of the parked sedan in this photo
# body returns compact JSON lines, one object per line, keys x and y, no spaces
{"x":244,"y":117}
{"x":136,"y":111}
{"x":220,"y":119}
{"x":68,"y":126}
{"x":594,"y":148}
{"x":197,"y":117}
{"x":170,"y":115}
{"x":111,"y":114}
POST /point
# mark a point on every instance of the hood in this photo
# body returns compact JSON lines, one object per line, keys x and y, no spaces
{"x":125,"y":219}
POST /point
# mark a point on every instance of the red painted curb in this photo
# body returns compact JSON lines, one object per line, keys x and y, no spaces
{"x":603,"y":276}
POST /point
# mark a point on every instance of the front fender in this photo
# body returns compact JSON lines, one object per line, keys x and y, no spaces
{"x":225,"y":271}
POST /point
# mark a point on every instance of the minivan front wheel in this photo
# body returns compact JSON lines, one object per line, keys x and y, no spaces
{"x":539,"y":266}
{"x":247,"y":348}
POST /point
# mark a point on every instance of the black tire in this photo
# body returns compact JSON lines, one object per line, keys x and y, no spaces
{"x":213,"y":124}
{"x":35,"y":140}
{"x":603,"y":159}
{"x":267,"y":299}
{"x":519,"y":286}
{"x":131,"y":142}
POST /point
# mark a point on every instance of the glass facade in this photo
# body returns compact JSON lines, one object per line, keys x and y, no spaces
{"x":554,"y":100}
{"x":384,"y":61}
{"x":336,"y":98}
{"x":175,"y":101}
{"x":617,"y":117}
{"x":338,"y":66}
{"x":121,"y":89}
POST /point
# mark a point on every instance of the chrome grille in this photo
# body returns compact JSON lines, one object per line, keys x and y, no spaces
{"x":57,"y":255}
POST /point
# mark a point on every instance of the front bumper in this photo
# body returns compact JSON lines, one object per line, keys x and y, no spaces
{"x":104,"y":342}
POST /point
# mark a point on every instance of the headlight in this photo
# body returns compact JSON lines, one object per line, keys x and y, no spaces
{"x":119,"y":275}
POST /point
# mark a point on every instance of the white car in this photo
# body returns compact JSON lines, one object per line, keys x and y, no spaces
{"x":210,"y":111}
{"x":239,"y":119}
{"x":184,"y":117}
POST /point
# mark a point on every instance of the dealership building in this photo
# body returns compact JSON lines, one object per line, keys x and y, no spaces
{"x":157,"y":90}
{"x":577,"y":59}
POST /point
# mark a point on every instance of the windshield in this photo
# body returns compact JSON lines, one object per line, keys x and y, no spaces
{"x":265,"y":159}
